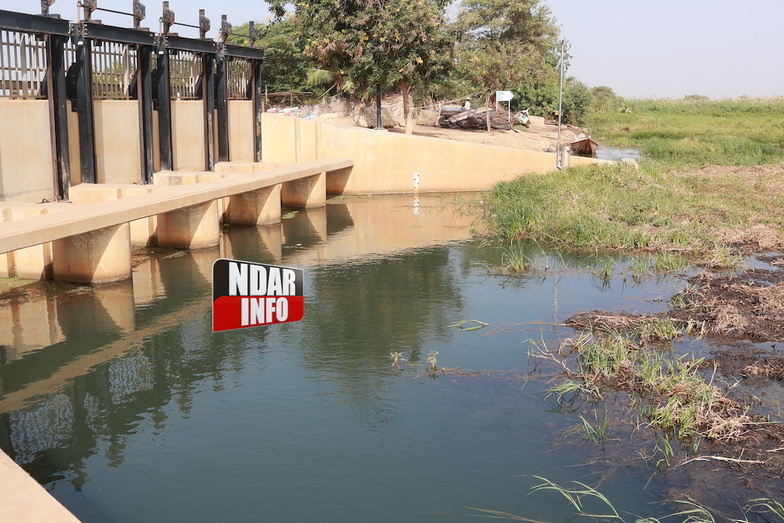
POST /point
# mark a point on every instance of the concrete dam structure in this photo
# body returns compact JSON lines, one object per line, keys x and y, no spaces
{"x":113,"y":138}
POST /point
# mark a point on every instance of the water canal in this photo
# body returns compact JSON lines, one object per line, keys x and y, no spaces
{"x":123,"y":403}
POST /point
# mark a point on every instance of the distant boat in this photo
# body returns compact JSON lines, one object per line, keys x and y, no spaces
{"x":585,"y":147}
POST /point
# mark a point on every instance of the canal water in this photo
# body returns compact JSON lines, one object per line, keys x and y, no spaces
{"x":121,"y":401}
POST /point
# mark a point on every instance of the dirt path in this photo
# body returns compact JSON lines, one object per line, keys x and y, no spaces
{"x":538,"y":137}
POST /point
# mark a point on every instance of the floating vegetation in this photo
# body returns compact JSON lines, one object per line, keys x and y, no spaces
{"x":469,"y":325}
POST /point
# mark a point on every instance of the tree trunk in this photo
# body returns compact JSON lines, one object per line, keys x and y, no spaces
{"x":407,"y":114}
{"x":487,"y":112}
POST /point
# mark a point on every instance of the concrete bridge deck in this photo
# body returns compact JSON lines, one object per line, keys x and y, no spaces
{"x":91,"y":241}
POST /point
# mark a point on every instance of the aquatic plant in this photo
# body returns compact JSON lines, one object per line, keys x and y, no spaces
{"x":397,"y":357}
{"x":432,"y":361}
{"x":474,"y":325}
{"x":589,"y":502}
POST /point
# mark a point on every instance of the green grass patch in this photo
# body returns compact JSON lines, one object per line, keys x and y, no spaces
{"x":697,"y":132}
{"x":619,"y":208}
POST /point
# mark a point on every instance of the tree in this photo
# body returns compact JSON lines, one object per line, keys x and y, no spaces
{"x":603,"y":99}
{"x":284,"y":67}
{"x":398,"y":43}
{"x":504,"y":44}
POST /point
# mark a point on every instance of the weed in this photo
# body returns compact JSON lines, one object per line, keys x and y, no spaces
{"x":432,"y":362}
{"x":595,"y":432}
{"x":474,"y":325}
{"x":397,"y":357}
{"x":580,"y":496}
{"x":674,"y":397}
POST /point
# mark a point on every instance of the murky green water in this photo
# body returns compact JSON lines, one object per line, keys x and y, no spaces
{"x":125,"y":405}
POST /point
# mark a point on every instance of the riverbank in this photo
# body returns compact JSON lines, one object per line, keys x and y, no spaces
{"x":707,"y":195}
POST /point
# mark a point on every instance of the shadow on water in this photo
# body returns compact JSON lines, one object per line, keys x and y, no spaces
{"x":124,"y":404}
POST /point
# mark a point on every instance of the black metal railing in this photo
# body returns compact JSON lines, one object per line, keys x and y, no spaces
{"x":45,"y":57}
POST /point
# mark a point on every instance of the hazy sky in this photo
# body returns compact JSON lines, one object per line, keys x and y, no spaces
{"x":642,"y":49}
{"x":673,"y":48}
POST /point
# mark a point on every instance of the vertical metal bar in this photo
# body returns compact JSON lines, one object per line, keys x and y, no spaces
{"x":126,"y":71}
{"x":58,"y":112}
{"x":84,"y":101}
{"x":208,"y":94}
{"x":144,"y":90}
{"x":379,"y":124}
{"x":164,"y":110}
{"x":222,"y":106}
{"x":3,"y":75}
{"x":258,"y":108}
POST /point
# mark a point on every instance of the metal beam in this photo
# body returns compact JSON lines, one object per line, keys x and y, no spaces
{"x":144,"y":90}
{"x":190,"y":44}
{"x":248,"y":53}
{"x":84,"y":106}
{"x":257,"y":94}
{"x":33,"y":23}
{"x":164,"y":110}
{"x":222,"y":106}
{"x":208,"y":95}
{"x":119,"y":34}
{"x":58,"y":111}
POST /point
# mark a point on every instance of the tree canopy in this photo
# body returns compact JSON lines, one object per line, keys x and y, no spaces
{"x":406,"y":44}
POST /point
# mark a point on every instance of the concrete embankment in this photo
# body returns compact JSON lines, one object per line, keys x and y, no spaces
{"x":23,"y":500}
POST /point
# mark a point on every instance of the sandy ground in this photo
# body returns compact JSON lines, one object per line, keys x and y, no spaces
{"x":538,"y":137}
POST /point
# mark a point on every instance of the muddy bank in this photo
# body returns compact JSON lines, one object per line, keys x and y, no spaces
{"x":724,"y":309}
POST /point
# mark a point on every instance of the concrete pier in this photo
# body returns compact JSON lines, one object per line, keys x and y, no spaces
{"x":93,"y":239}
{"x":194,"y":227}
{"x":100,"y":256}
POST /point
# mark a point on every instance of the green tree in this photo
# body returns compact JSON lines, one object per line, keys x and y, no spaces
{"x":285,"y":67}
{"x":603,"y":99}
{"x":399,"y":43}
{"x":504,"y":44}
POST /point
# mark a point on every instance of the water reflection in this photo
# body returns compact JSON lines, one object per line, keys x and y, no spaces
{"x":123,"y":393}
{"x":81,"y":366}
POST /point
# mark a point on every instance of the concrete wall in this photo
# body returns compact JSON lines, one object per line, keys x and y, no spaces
{"x":188,"y":135}
{"x":117,"y":141}
{"x":25,"y":151}
{"x":241,"y":131}
{"x":387,"y":162}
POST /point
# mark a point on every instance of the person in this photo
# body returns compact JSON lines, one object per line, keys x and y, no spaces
{"x":467,"y":105}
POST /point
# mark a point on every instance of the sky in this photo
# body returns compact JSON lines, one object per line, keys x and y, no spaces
{"x":641,"y":49}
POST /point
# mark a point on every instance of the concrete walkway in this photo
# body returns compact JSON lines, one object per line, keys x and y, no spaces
{"x":23,"y":500}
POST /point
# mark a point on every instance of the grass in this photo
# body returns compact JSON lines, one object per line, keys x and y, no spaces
{"x":671,"y":395}
{"x":618,"y":208}
{"x":698,"y":132}
{"x":580,"y":496}
{"x":672,"y":206}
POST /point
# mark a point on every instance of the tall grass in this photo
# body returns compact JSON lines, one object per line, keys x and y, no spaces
{"x":617,"y":207}
{"x":697,"y":132}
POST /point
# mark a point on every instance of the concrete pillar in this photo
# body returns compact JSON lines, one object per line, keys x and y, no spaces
{"x":6,"y":259}
{"x":32,"y":263}
{"x":194,"y":227}
{"x":142,"y":231}
{"x":260,"y":207}
{"x":191,"y":178}
{"x":99,"y":256}
{"x":305,"y":192}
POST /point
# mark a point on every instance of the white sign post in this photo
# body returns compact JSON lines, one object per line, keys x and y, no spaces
{"x":505,"y":96}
